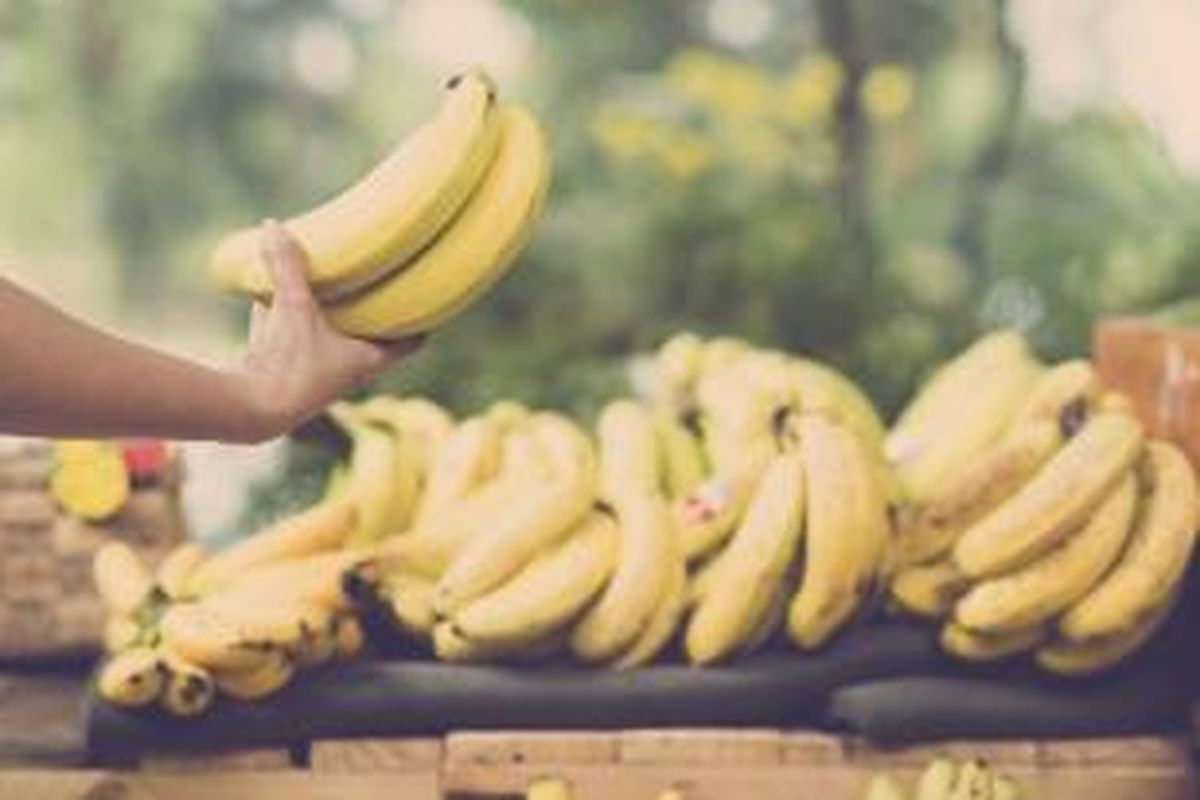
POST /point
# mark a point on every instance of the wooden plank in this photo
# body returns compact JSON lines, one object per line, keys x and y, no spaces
{"x":294,"y":785}
{"x":245,"y":760}
{"x":810,"y":747}
{"x":702,"y":746}
{"x":376,"y":755}
{"x":532,"y":747}
{"x":1139,"y":751}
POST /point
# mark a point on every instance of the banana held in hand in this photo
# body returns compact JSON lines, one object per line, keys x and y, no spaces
{"x":1055,"y":501}
{"x":473,"y":253}
{"x":392,"y":214}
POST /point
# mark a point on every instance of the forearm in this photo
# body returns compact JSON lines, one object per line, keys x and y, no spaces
{"x":61,"y":377}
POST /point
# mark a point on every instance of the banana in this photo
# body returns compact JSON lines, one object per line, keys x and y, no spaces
{"x":1043,"y":589}
{"x":929,"y":590}
{"x":1055,"y":501}
{"x":121,"y":579}
{"x":318,"y":579}
{"x":549,"y":789}
{"x":410,"y":598}
{"x":707,"y":516}
{"x":131,"y":679}
{"x":374,"y":481}
{"x":646,"y":553}
{"x":937,"y":781}
{"x":335,"y":481}
{"x":426,"y":425}
{"x":1076,"y":658}
{"x":969,"y":429}
{"x":204,"y":636}
{"x":884,"y":787}
{"x":188,"y":690}
{"x":1156,"y":557}
{"x":383,"y":221}
{"x":509,"y":414}
{"x":845,"y":519}
{"x":682,"y":455}
{"x":272,"y":674}
{"x":1063,"y":395}
{"x":974,"y":782}
{"x":990,"y":479}
{"x":536,"y":520}
{"x":468,"y":459}
{"x":349,"y":638}
{"x":1004,"y":788}
{"x":450,"y":645}
{"x":629,"y":453}
{"x":953,"y":385}
{"x":824,"y":390}
{"x":549,"y":592}
{"x":469,"y":256}
{"x":322,"y":527}
{"x":978,"y":647}
{"x":173,"y":572}
{"x":663,"y":622}
{"x":745,"y":401}
{"x":677,"y":364}
{"x":122,"y":633}
{"x":754,"y":564}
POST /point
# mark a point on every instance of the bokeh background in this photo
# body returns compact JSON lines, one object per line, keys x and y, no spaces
{"x":868,"y":181}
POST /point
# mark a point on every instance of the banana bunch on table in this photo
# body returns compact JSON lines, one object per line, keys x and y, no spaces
{"x":428,"y":230}
{"x":944,"y":779}
{"x":1043,"y":520}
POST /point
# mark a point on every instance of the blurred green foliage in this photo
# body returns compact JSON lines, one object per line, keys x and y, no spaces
{"x":866,"y":183}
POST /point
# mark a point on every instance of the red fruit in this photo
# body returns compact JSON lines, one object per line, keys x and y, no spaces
{"x":146,"y":459}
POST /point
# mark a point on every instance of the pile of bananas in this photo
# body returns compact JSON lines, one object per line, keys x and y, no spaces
{"x":944,"y":779}
{"x":240,"y":623}
{"x":428,"y":230}
{"x":1040,"y":519}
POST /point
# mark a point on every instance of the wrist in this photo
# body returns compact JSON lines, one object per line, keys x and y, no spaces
{"x":256,"y":414}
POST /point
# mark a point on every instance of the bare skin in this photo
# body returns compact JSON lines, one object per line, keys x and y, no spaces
{"x":64,"y":378}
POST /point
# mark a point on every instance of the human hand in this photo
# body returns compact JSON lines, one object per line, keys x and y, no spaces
{"x":296,"y":362}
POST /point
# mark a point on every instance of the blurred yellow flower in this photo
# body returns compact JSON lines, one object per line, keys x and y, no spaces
{"x":683,"y":153}
{"x":810,"y":91}
{"x":724,"y":86}
{"x":759,"y":148}
{"x":622,"y":133}
{"x":887,"y":92}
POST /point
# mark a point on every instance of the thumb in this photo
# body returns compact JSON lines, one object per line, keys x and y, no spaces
{"x":287,"y":264}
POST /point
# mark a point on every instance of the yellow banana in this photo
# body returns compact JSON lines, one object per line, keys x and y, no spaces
{"x":132,"y":678}
{"x":1041,"y":590}
{"x":990,"y":479}
{"x":683,"y":462}
{"x":824,"y":390}
{"x":549,"y":592}
{"x":122,"y":633}
{"x":1055,"y":501}
{"x":469,"y":458}
{"x":973,"y":782}
{"x":426,"y":425}
{"x":534,"y":521}
{"x":266,"y":678}
{"x":203,"y":636}
{"x":929,"y":590}
{"x":549,"y":789}
{"x":450,"y":645}
{"x":472,"y":253}
{"x":1076,"y":658}
{"x":335,"y":481}
{"x":188,"y":690}
{"x":509,"y":414}
{"x":1004,"y":788}
{"x":1156,"y":557}
{"x":317,"y":579}
{"x":1068,"y":389}
{"x":121,"y":579}
{"x":845,"y":515}
{"x":373,"y":477}
{"x":629,"y":453}
{"x":380,"y":223}
{"x":884,"y":787}
{"x":322,"y":527}
{"x":744,"y":402}
{"x":937,"y":781}
{"x":410,"y":598}
{"x":707,"y":516}
{"x":677,"y":364}
{"x":663,"y":622}
{"x":753,"y":565}
{"x":974,"y":646}
{"x":175,"y":570}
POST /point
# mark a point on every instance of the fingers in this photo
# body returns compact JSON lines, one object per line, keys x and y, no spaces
{"x":287,"y":265}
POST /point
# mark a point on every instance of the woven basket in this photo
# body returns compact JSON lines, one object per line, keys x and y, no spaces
{"x":48,"y":605}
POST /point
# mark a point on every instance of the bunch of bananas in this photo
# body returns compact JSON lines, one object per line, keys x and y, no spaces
{"x":944,"y":779}
{"x":428,"y":230}
{"x":241,"y":622}
{"x":1042,"y":519}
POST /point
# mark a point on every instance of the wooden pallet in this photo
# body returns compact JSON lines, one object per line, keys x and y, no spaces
{"x":716,"y":764}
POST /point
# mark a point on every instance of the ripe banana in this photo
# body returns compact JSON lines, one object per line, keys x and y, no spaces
{"x":937,"y":781}
{"x":753,"y":565}
{"x":706,"y":517}
{"x":373,"y":477}
{"x":188,"y":690}
{"x":663,"y":622}
{"x":410,"y":599}
{"x":629,"y":452}
{"x":322,"y":527}
{"x":264,"y":679}
{"x":175,"y":570}
{"x":549,"y":789}
{"x":974,"y":646}
{"x":682,"y":453}
{"x":508,"y":414}
{"x":426,"y":424}
{"x":123,"y":633}
{"x":646,"y":554}
{"x":472,"y":254}
{"x":549,"y":592}
{"x":677,"y":364}
{"x":132,"y":678}
{"x":982,"y":485}
{"x":1076,"y":658}
{"x":450,"y":645}
{"x":824,"y":390}
{"x":380,"y":223}
{"x":318,"y":579}
{"x":745,"y":401}
{"x":1055,"y":501}
{"x":469,"y":458}
{"x":929,"y":590}
{"x":884,"y":787}
{"x":1043,"y":589}
{"x":1066,"y":390}
{"x":845,"y":517}
{"x":121,"y":579}
{"x":1156,"y":557}
{"x":973,"y":782}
